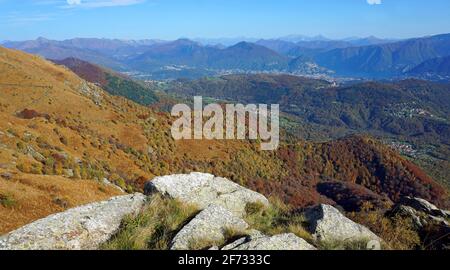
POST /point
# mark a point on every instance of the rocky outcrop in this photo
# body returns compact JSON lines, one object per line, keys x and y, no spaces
{"x":85,"y":227}
{"x":428,"y":220}
{"x":203,"y":190}
{"x":209,"y":227}
{"x":327,"y":224}
{"x":224,"y":203}
{"x":219,"y":223}
{"x":258,"y":241}
{"x":422,"y":212}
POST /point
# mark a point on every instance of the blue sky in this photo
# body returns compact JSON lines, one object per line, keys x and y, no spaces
{"x":171,"y":19}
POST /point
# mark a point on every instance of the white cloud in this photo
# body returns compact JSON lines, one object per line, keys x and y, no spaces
{"x":17,"y":18}
{"x":101,"y":3}
{"x":374,"y":2}
{"x":73,"y":2}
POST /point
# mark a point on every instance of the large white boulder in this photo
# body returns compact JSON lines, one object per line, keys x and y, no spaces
{"x":327,"y":224}
{"x":81,"y":228}
{"x":208,"y":228}
{"x":202,"y":190}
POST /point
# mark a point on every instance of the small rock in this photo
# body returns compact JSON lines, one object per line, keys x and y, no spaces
{"x":60,"y":156}
{"x":326,"y":224}
{"x":108,"y":183}
{"x":6,"y":175}
{"x":150,"y":151}
{"x":35,"y":154}
{"x":5,"y":166}
{"x":207,"y":229}
{"x":68,"y":173}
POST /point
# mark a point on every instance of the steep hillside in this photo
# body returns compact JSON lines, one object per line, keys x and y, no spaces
{"x":112,"y":82}
{"x":437,"y":68}
{"x":53,"y":127}
{"x":348,"y":172}
{"x":387,"y":59}
{"x":61,"y":136}
{"x":411,"y":115}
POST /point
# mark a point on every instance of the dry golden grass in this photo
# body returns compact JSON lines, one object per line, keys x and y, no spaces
{"x":36,"y":197}
{"x":154,"y":227}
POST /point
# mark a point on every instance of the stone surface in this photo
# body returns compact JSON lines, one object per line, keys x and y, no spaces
{"x":84,"y":227}
{"x":203,"y":190}
{"x":421,"y":212}
{"x":6,"y":175}
{"x":422,"y":205}
{"x":287,"y":241}
{"x":207,"y":228}
{"x":34,"y":154}
{"x":327,"y":224}
{"x":108,"y":183}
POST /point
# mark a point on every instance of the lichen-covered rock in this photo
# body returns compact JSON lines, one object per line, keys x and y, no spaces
{"x":327,"y":224}
{"x":424,"y":206}
{"x":84,"y":227}
{"x":207,"y":228}
{"x":203,"y":190}
{"x":287,"y":241}
{"x":421,"y":212}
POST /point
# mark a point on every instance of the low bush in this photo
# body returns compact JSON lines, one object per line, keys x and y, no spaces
{"x":397,"y":232}
{"x":276,"y":219}
{"x":7,"y":201}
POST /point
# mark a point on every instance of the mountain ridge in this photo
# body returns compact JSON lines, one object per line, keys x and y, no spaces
{"x":367,"y":58}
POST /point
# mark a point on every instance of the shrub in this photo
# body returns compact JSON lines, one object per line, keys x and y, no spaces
{"x":62,"y":202}
{"x":231,"y":234}
{"x":342,"y":245}
{"x":21,"y":146}
{"x":24,"y":167}
{"x":63,"y":140}
{"x":7,"y":201}
{"x":276,"y":219}
{"x":120,"y":183}
{"x":397,"y":232}
{"x":202,"y":244}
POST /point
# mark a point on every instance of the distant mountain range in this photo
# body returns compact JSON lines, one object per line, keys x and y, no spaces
{"x":436,"y":68}
{"x":385,"y":60}
{"x":244,"y":56}
{"x":156,"y":59}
